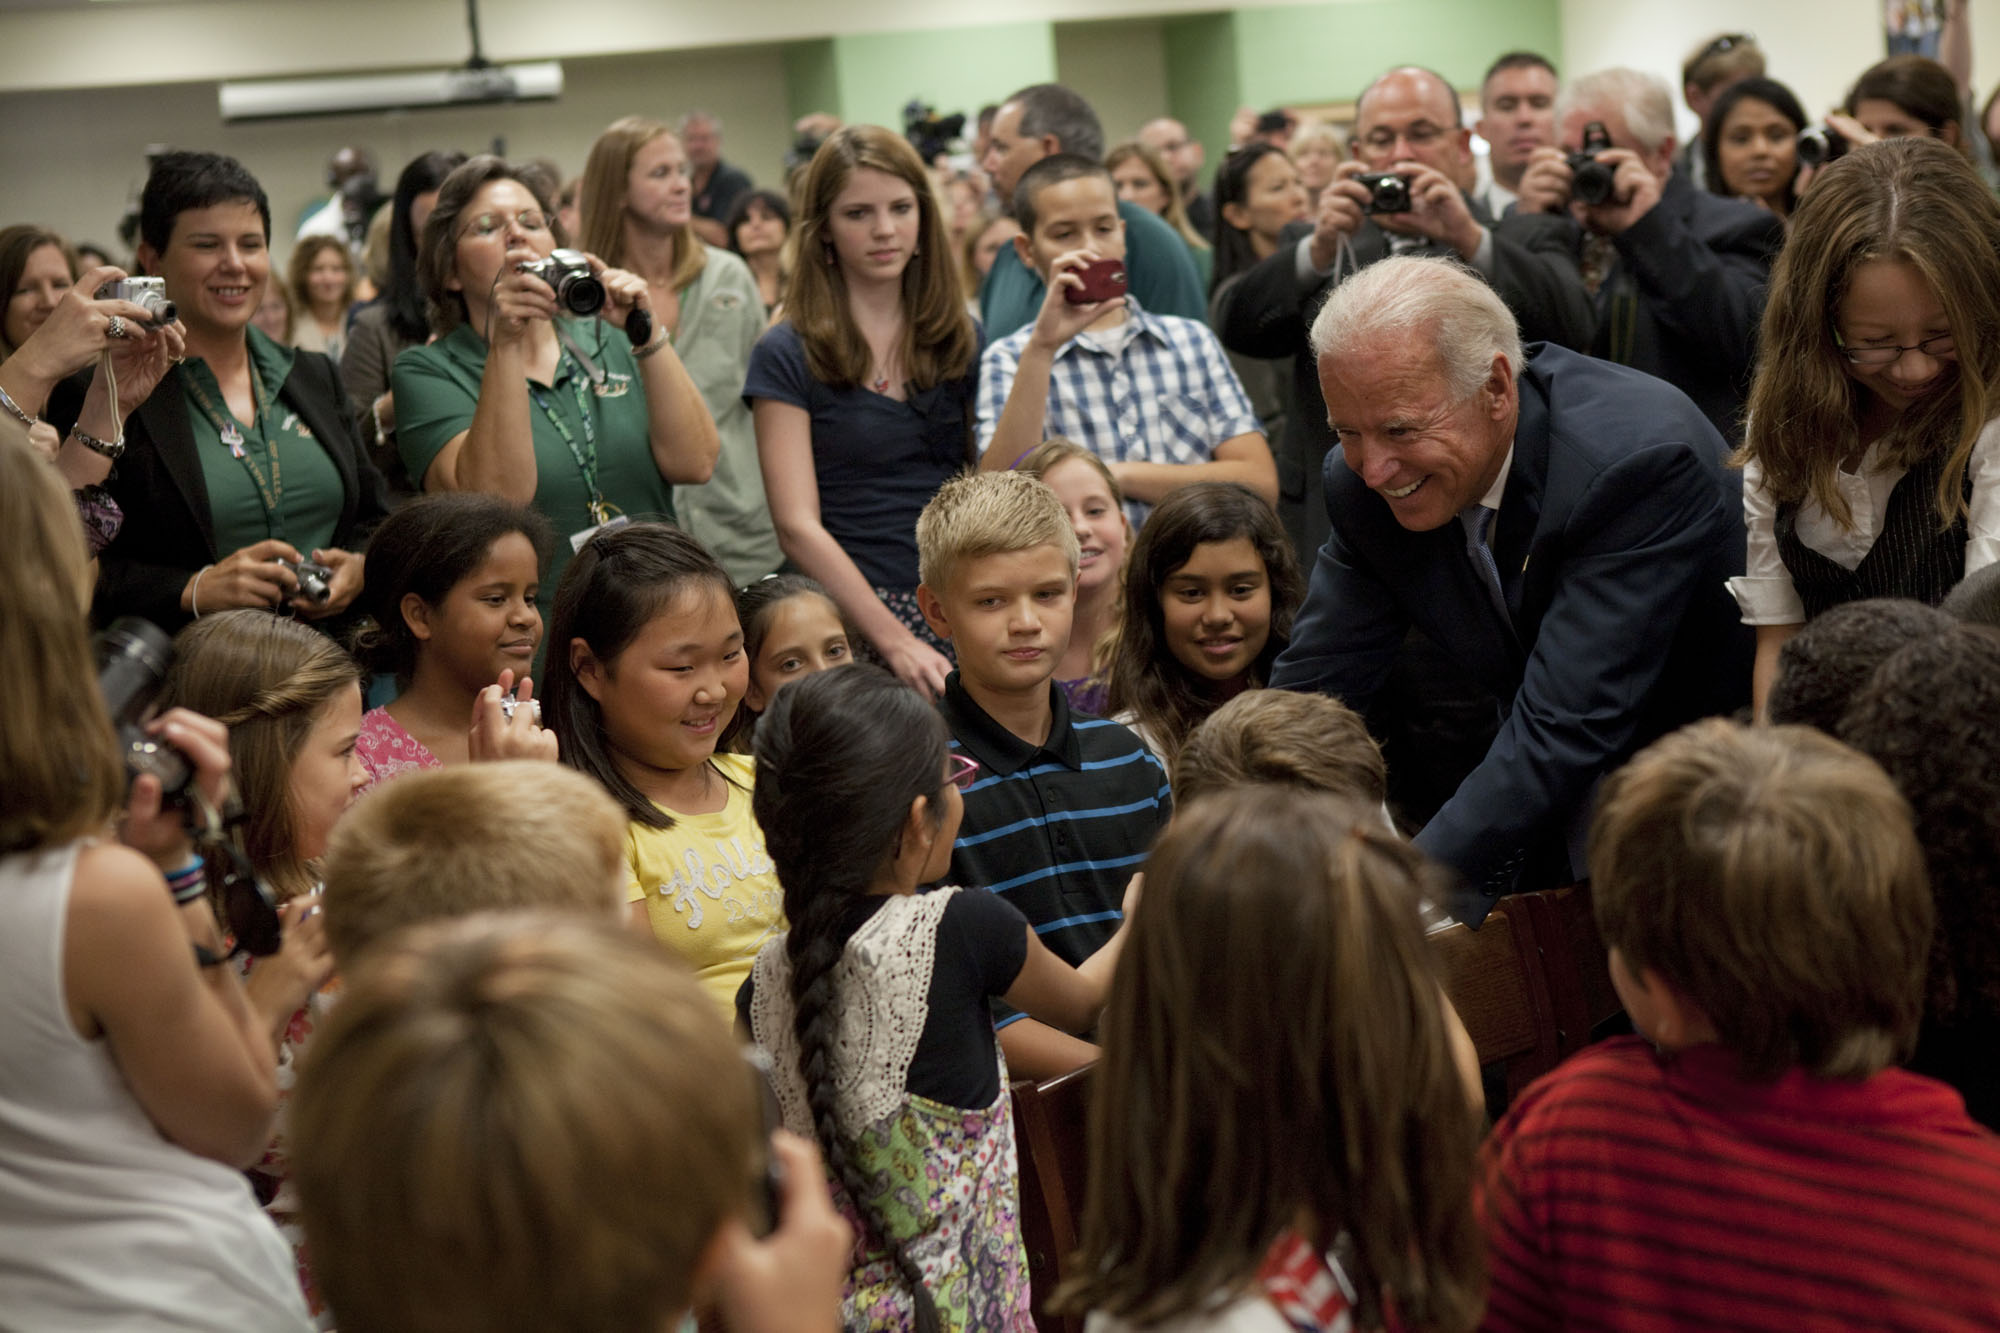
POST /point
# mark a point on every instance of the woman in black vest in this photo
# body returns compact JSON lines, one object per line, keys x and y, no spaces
{"x":1872,"y":461}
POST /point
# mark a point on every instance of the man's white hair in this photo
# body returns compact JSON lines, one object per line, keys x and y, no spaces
{"x":1440,"y":299}
{"x":1643,"y":99}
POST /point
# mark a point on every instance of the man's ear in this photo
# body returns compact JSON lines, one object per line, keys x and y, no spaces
{"x":589,"y":672}
{"x":1500,"y":389}
{"x":933,"y":610}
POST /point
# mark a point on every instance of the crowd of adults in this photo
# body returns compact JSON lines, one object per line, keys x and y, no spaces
{"x":1610,"y":483}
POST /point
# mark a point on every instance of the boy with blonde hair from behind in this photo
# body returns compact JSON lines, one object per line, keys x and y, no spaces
{"x":474,"y":837}
{"x":531,"y":1121}
{"x":1751,"y":1158}
{"x":1064,"y":807}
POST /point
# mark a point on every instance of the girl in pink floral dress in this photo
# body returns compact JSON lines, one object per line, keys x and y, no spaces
{"x":450,"y":592}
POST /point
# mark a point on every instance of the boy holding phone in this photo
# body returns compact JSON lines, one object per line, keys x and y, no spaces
{"x":1152,"y":395}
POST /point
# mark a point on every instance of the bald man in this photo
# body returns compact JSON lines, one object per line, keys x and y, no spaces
{"x":1184,"y":155}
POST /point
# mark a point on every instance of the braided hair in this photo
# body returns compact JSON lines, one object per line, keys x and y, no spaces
{"x":840,"y":757}
{"x":266,"y":678}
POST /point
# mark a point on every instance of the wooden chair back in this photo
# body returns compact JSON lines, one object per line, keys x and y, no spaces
{"x":1494,"y":978}
{"x":1051,"y":1130}
{"x":1573,"y":961}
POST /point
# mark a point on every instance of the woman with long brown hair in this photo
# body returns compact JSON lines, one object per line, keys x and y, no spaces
{"x":863,"y":394}
{"x":1142,"y":178}
{"x":1872,"y":457}
{"x":638,"y":214}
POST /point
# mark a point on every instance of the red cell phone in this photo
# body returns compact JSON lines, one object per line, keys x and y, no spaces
{"x":1102,"y":280}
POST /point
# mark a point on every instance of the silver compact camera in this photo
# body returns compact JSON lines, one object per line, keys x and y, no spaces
{"x":149,"y":294}
{"x":567,"y":272}
{"x":315,"y":582}
{"x":509,"y":704}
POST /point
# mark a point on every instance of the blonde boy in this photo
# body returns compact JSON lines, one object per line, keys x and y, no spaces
{"x":1064,"y":807}
{"x":473,"y":837}
{"x":522,"y":1121}
{"x":1752,"y":1159}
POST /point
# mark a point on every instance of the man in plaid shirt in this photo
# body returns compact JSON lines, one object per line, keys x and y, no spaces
{"x":1152,"y":395}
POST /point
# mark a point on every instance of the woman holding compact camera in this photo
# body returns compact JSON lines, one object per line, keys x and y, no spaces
{"x":585,"y":420}
{"x":134,"y":1076}
{"x":242,"y":483}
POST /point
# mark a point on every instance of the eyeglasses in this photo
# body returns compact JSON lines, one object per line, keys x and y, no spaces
{"x":486,"y":224}
{"x":1420,"y":135}
{"x":1941,"y":345}
{"x":963,"y":771}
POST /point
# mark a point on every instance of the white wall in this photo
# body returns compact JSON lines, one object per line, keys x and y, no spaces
{"x":1815,"y":47}
{"x":71,"y":160}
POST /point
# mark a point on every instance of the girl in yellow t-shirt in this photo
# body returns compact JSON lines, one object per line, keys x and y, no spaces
{"x":646,"y":670}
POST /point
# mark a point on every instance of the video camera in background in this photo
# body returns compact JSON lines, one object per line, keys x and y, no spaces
{"x":932,"y":135}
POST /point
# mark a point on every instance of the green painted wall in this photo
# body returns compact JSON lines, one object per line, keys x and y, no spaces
{"x":812,"y":80}
{"x":1204,"y":82}
{"x":1320,"y":53}
{"x":951,"y":68}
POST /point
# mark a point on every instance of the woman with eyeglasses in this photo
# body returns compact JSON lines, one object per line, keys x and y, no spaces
{"x":587,"y":419}
{"x":1872,"y":461}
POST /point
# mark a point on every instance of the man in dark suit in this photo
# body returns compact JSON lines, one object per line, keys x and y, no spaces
{"x":1561,"y":527}
{"x":1677,"y":275}
{"x":1408,"y":123}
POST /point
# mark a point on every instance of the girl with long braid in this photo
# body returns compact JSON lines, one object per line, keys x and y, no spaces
{"x":874,"y":1007}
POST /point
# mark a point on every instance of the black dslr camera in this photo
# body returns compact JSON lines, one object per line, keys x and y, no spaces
{"x":929,"y":133}
{"x":1820,"y":145}
{"x":1590,"y":180}
{"x":1387,"y":192}
{"x":567,"y":272}
{"x":132,"y":660}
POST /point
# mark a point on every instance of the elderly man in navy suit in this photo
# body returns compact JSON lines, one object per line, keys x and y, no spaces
{"x":1560,"y":526}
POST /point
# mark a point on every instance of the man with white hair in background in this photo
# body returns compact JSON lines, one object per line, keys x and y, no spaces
{"x":1561,"y":527}
{"x":1677,"y":274}
{"x":717,"y":185}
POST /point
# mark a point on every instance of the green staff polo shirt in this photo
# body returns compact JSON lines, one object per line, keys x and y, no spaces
{"x":437,"y":389}
{"x":305,"y":484}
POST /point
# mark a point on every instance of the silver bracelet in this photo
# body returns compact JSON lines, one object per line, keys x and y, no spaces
{"x":16,"y":411}
{"x":652,"y":348}
{"x":194,"y":593}
{"x":111,"y":449}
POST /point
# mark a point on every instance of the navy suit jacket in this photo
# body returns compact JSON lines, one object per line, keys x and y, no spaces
{"x":1617,"y":528}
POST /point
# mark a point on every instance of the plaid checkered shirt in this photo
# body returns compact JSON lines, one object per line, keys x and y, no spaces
{"x":1166,"y":394}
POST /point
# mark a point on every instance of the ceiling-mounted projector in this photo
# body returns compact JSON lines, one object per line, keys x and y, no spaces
{"x":280,"y":99}
{"x":477,"y":83}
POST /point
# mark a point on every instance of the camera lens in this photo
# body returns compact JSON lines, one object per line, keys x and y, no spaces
{"x":132,"y":658}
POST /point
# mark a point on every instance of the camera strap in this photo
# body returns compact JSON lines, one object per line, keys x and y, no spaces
{"x":271,"y":489}
{"x":586,"y":454}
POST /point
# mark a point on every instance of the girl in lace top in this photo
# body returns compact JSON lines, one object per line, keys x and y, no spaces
{"x":1330,"y":1097}
{"x":874,"y":1007}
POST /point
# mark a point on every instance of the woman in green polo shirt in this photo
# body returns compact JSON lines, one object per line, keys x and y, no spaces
{"x":514,"y":400}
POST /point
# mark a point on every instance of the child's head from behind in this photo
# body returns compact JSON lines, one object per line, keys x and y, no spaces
{"x":1821,"y":668}
{"x":1765,"y":883}
{"x":1276,"y":1055}
{"x":470,"y":838}
{"x":1310,"y":741}
{"x":791,"y":629}
{"x":520,"y":1120}
{"x":292,"y":702}
{"x":452,"y":579}
{"x":645,"y":662}
{"x":1931,"y":717}
{"x":998,"y":560}
{"x":1210,"y":592}
{"x":1976,"y":599}
{"x":1065,"y":202}
{"x":1096,"y":507}
{"x":852,"y":797}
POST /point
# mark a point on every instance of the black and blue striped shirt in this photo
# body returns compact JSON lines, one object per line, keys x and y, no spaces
{"x":1057,"y":828}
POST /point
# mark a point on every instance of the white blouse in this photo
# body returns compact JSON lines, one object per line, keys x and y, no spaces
{"x":1765,"y":593}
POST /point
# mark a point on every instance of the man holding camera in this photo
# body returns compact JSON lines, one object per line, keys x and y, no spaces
{"x":1677,"y":275}
{"x":1403,"y":194}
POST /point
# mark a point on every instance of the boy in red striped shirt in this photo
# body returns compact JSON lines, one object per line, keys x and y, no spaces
{"x":1760,"y":1164}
